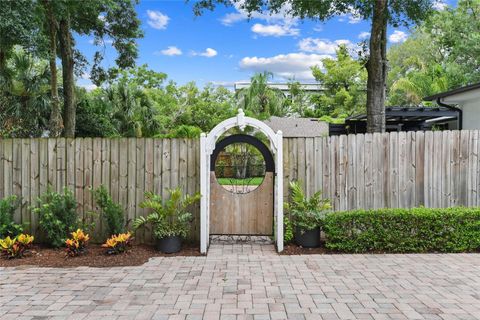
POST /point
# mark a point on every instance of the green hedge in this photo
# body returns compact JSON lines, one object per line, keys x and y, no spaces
{"x":404,"y":230}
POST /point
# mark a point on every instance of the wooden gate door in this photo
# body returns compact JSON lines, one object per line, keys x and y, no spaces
{"x":245,"y":213}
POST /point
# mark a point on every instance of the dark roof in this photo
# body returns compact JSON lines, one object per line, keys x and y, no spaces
{"x":410,"y":114}
{"x":453,"y":92}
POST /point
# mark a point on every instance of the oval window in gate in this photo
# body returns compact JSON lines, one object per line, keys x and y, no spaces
{"x":240,"y":167}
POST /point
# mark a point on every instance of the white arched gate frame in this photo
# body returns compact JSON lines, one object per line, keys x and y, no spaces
{"x":207,"y":146}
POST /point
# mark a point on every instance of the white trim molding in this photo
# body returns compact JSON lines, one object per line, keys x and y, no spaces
{"x":207,"y":146}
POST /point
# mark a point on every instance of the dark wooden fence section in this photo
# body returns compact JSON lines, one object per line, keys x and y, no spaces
{"x":406,"y":169}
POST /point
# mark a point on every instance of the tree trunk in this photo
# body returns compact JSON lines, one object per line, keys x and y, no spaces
{"x":377,"y":69}
{"x":66,"y":52}
{"x":56,"y":124}
{"x":3,"y":60}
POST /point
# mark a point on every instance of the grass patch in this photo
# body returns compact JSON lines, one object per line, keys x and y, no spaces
{"x":256,"y":181}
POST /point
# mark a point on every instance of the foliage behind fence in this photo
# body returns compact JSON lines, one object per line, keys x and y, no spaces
{"x":406,"y":169}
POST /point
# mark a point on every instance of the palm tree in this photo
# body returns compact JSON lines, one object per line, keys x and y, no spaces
{"x":420,"y":81}
{"x":133,"y":111}
{"x":24,"y":96}
{"x":260,"y":99}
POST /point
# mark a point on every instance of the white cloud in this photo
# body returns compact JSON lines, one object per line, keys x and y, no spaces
{"x":321,"y":46}
{"x":275,"y":30}
{"x":241,"y":14}
{"x":288,"y":66}
{"x":278,"y":24}
{"x":398,"y":36}
{"x":364,"y":35}
{"x":439,"y":5}
{"x":88,"y":86}
{"x":170,"y":51}
{"x":209,"y":53}
{"x":157,"y":20}
{"x":232,"y":18}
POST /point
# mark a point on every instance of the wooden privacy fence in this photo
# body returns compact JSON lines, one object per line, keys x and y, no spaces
{"x":406,"y":169}
{"x":127,"y":167}
{"x":399,"y":169}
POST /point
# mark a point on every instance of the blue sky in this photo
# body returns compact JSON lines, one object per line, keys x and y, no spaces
{"x":224,"y":46}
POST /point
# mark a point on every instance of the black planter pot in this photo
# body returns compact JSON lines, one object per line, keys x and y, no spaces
{"x":169,"y":244}
{"x":308,"y":238}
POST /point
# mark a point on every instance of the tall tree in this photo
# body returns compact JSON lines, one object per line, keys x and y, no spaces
{"x":56,"y":122}
{"x":24,"y":99}
{"x":260,"y":99}
{"x":441,"y":54}
{"x":343,"y":80}
{"x":103,"y":19}
{"x":380,"y":12}
{"x":18,"y":26}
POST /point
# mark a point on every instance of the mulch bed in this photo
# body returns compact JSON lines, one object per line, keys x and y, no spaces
{"x":40,"y":256}
{"x":293,"y":249}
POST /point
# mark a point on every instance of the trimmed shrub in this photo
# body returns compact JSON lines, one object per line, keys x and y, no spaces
{"x":57,"y":215}
{"x":404,"y":230}
{"x":110,"y":211}
{"x":8,"y":227}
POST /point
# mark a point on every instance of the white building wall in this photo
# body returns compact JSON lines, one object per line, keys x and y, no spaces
{"x":471,"y":115}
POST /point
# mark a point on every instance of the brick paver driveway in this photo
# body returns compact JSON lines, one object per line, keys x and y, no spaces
{"x":251,"y":282}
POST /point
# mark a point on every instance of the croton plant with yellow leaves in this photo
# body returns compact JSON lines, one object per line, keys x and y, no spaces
{"x":118,"y":243}
{"x":77,"y":244}
{"x":17,"y":246}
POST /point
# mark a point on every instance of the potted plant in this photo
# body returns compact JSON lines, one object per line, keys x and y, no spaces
{"x":307,"y":215}
{"x":170,"y":220}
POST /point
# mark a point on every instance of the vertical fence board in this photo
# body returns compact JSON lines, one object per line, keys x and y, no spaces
{"x":114,"y":170}
{"x":149,"y":175}
{"x":317,"y":165}
{"x":140,"y":184}
{"x":60,"y":164}
{"x":25,"y":182}
{"x":174,"y":162}
{"x":360,"y":171}
{"x":43,"y":158}
{"x":309,"y":166}
{"x":34,"y":181}
{"x":472,"y":169}
{"x":379,"y":156}
{"x":182,"y":163}
{"x":87,"y":174}
{"x":17,"y":175}
{"x":70,"y":164}
{"x":166,"y":167}
{"x":52,"y":163}
{"x":79,"y":175}
{"x":7,"y":167}
{"x":123,"y":177}
{"x":351,"y":176}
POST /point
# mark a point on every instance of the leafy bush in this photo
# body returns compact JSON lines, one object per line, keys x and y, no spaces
{"x":112,"y":212}
{"x":118,"y":243}
{"x":169,"y":218}
{"x":287,"y":230}
{"x":16,"y":247}
{"x":404,"y":230}
{"x":8,"y":227}
{"x":77,"y":244}
{"x":57,"y":216}
{"x":306,"y":213}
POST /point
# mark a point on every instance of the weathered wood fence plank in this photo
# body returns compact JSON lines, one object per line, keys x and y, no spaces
{"x":434,"y":169}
